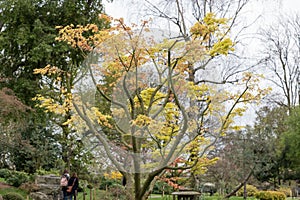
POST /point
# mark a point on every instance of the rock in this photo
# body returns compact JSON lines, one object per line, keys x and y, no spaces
{"x":48,"y":188}
{"x":39,"y":196}
{"x":48,"y":179}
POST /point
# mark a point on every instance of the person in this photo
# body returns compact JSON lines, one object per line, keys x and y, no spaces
{"x":64,"y":188}
{"x":74,"y":182}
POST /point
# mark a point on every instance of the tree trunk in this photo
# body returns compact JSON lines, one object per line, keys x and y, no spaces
{"x":239,"y":186}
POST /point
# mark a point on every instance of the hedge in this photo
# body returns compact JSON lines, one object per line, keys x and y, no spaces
{"x":270,"y":195}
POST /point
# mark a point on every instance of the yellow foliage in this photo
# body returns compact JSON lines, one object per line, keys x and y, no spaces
{"x":197,"y":92}
{"x":101,"y":118}
{"x":209,"y":25}
{"x":202,"y":165}
{"x":141,"y":120}
{"x":222,"y":47}
{"x":50,"y":105}
{"x":113,"y":175}
{"x":48,"y":70}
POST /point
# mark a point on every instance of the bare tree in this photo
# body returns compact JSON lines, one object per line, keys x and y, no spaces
{"x":282,"y":55}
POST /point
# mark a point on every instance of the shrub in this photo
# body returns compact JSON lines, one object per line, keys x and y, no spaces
{"x":47,"y":172}
{"x":29,"y":187}
{"x":5,"y":173}
{"x":106,"y":183}
{"x":12,"y":196}
{"x":286,"y":190}
{"x":270,"y":195}
{"x":118,"y":191}
{"x":161,"y":187}
{"x":17,"y":178}
{"x":251,"y":190}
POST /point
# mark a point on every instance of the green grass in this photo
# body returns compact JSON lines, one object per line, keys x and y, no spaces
{"x":97,"y":194}
{"x":169,"y":197}
{"x":159,"y":197}
{"x":13,"y":190}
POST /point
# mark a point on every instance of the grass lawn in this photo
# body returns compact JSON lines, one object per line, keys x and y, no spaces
{"x":169,"y":197}
{"x":100,"y":194}
{"x":13,"y":190}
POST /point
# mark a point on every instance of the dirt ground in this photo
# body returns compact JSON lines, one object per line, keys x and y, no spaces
{"x":4,"y":185}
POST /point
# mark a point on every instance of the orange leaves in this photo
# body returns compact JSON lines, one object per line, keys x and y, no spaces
{"x":82,"y":37}
{"x":48,"y":70}
{"x":89,"y":36}
{"x":172,"y":181}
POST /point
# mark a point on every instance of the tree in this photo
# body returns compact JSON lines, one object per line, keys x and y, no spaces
{"x":157,"y":111}
{"x":290,"y":145}
{"x":12,"y":120}
{"x":281,"y":54}
{"x":270,"y":126}
{"x":218,"y":70}
{"x":27,"y":35}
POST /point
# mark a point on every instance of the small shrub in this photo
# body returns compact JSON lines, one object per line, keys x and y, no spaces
{"x":47,"y":172}
{"x":286,"y":190}
{"x":270,"y":195}
{"x":5,"y":173}
{"x":17,"y":178}
{"x":106,"y":183}
{"x":29,"y":187}
{"x":161,"y":187}
{"x":251,"y":191}
{"x":12,"y":196}
{"x":118,"y":191}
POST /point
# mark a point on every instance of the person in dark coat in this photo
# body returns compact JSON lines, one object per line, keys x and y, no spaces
{"x":74,"y":182}
{"x":64,"y":188}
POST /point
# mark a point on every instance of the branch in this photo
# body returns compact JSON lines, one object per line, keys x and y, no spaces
{"x":99,"y":136}
{"x":240,"y":185}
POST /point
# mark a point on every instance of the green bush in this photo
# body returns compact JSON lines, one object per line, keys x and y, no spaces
{"x":251,"y":191}
{"x":5,"y":173}
{"x":17,"y":178}
{"x":12,"y":196}
{"x":270,"y":195}
{"x":106,"y":183}
{"x":161,"y":187}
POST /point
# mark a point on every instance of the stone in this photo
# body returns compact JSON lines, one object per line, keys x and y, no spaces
{"x":48,"y":188}
{"x":39,"y":196}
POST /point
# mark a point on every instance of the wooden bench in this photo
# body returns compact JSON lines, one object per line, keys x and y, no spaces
{"x":186,"y":195}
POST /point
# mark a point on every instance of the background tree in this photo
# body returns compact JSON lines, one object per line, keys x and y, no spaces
{"x":281,"y":58}
{"x":281,"y":54}
{"x":270,"y":125}
{"x":12,"y":121}
{"x":27,"y":35}
{"x":290,"y":146}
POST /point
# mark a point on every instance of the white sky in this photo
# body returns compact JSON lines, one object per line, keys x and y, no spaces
{"x":129,"y":9}
{"x":268,"y":12}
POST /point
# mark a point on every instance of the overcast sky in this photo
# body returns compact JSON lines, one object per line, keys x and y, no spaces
{"x":129,"y":9}
{"x":268,"y":12}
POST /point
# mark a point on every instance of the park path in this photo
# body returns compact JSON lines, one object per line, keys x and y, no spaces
{"x":4,"y":185}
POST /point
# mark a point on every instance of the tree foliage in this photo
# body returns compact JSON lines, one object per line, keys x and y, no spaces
{"x":158,"y":115}
{"x":27,"y":35}
{"x":290,"y":145}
